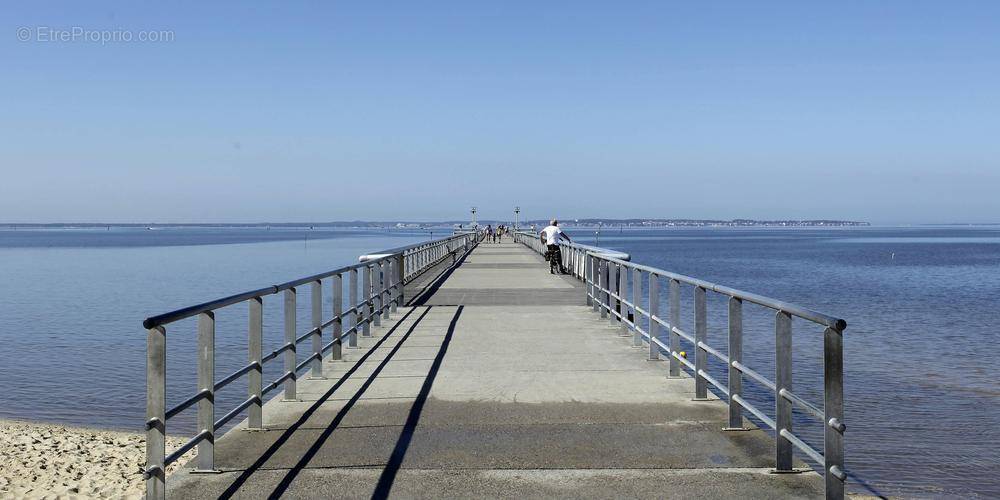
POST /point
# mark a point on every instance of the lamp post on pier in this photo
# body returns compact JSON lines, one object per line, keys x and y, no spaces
{"x":474,"y":223}
{"x":517,"y":211}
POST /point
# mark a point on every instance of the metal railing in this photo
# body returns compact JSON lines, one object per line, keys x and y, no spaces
{"x":605,"y":274}
{"x":383,"y":276}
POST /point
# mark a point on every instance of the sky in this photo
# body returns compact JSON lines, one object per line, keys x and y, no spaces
{"x":887,"y":111}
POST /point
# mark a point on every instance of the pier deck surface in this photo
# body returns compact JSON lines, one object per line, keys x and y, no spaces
{"x":496,"y":381}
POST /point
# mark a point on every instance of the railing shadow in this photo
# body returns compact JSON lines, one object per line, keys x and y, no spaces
{"x":388,"y":476}
{"x":292,"y":429}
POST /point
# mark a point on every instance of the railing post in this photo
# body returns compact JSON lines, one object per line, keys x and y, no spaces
{"x":394,"y":284}
{"x":337,"y":287}
{"x":374,"y":300}
{"x":612,"y":284}
{"x":701,"y":338}
{"x":782,"y":380}
{"x":289,"y":356}
{"x":317,"y":336}
{"x":622,"y":294}
{"x":636,"y":296}
{"x":591,"y":290}
{"x":156,"y":412}
{"x":654,"y":310}
{"x":206,"y":381}
{"x":357,"y":315}
{"x":675,"y":320}
{"x":603,"y":273}
{"x":255,"y":347}
{"x":735,"y":356}
{"x":833,"y":412}
{"x":383,"y":268}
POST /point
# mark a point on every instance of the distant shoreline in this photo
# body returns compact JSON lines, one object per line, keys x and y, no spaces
{"x":411,"y":225}
{"x":404,"y":225}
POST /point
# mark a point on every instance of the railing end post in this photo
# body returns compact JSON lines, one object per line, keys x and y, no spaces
{"x":156,"y":409}
{"x":833,"y":412}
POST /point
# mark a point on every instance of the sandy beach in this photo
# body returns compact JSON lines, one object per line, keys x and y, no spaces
{"x":40,"y":460}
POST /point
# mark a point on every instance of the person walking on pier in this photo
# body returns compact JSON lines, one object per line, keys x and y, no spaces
{"x":550,"y":238}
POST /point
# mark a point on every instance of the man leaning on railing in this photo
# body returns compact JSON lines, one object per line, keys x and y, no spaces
{"x":550,"y":238}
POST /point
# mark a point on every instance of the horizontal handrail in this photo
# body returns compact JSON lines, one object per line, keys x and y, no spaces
{"x":793,"y":309}
{"x":187,"y":312}
{"x":598,"y":250}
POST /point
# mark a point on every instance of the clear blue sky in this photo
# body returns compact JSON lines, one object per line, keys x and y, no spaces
{"x":882,"y":111}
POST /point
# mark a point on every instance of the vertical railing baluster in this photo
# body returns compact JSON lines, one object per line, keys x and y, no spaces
{"x":782,"y":380}
{"x":358,"y":314}
{"x":255,"y":377}
{"x":317,"y":336}
{"x":337,"y":287}
{"x":156,"y":411}
{"x":374,"y":301}
{"x":833,"y":412}
{"x":701,"y":339}
{"x":400,"y":281}
{"x":206,"y":382}
{"x":290,"y":358}
{"x":591,"y":295}
{"x":623,"y":295}
{"x":383,"y":280}
{"x":735,"y":356}
{"x":675,"y":321}
{"x":636,"y":297}
{"x":393,"y":283}
{"x":612,"y":284}
{"x":654,"y":310}
{"x":603,"y":273}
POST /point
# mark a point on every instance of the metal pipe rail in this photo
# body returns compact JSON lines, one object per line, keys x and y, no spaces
{"x":605,"y":274}
{"x":384,"y":276}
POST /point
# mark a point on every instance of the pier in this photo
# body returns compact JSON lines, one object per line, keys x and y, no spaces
{"x":458,"y":368}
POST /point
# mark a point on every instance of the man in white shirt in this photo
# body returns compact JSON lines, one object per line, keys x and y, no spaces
{"x":550,"y":238}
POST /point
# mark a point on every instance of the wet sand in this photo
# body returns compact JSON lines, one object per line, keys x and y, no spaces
{"x":39,"y":460}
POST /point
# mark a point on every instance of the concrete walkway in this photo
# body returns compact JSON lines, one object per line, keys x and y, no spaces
{"x":496,"y":382}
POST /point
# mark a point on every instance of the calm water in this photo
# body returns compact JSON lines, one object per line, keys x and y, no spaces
{"x":922,"y":307}
{"x":72,"y":303}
